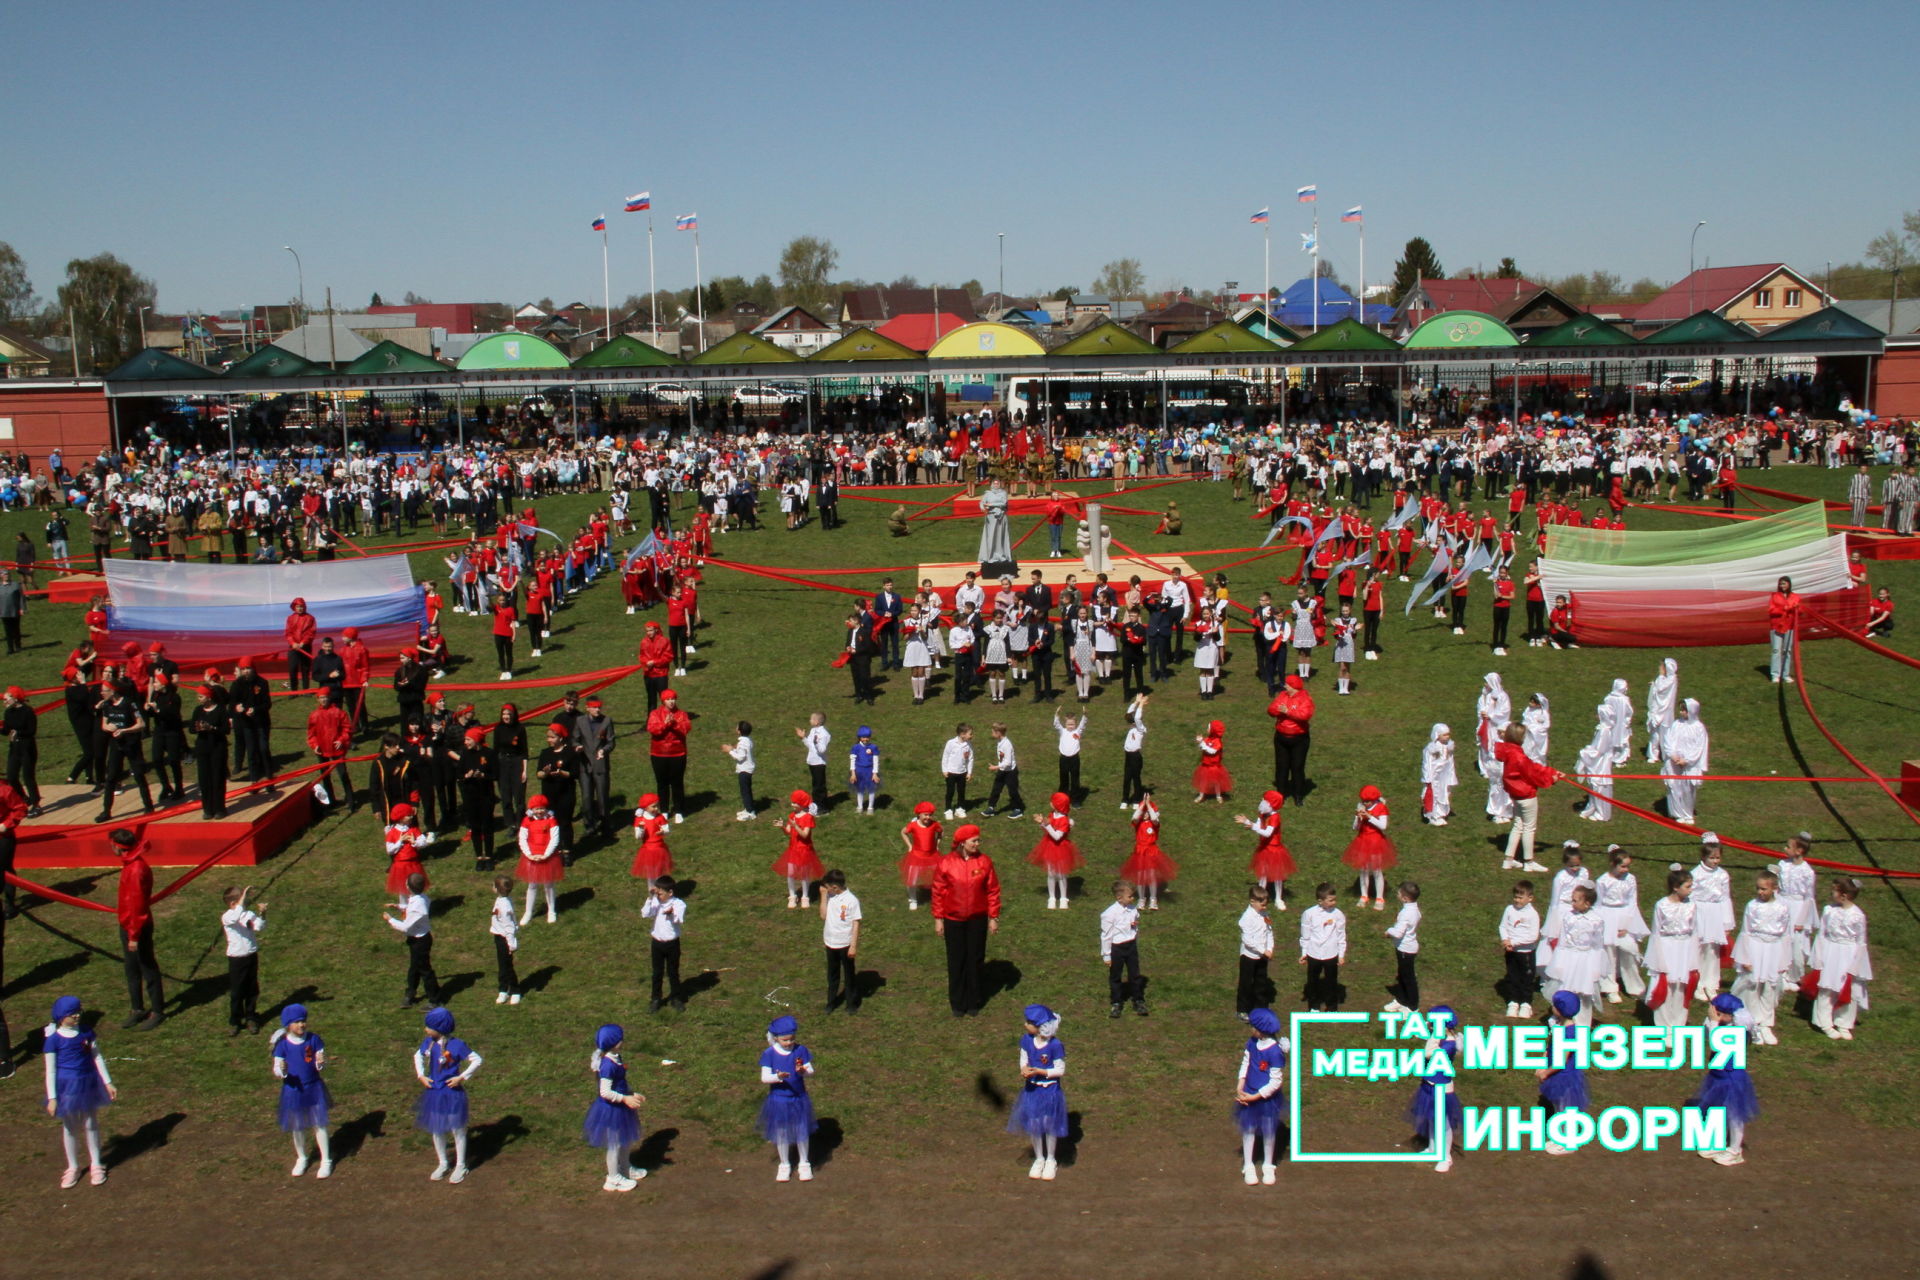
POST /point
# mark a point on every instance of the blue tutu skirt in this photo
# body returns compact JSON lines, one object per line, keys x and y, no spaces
{"x":79,"y":1095}
{"x":1565,"y":1090}
{"x":1040,"y":1113}
{"x":1731,"y":1089}
{"x":441,"y":1110}
{"x":610,"y":1126}
{"x":1261,"y":1116}
{"x":786,"y":1117}
{"x":1420,"y":1111}
{"x":304,"y":1106}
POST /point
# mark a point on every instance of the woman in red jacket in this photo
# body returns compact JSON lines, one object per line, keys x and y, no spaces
{"x":1783,"y":624}
{"x":1292,"y":713}
{"x":966,"y":908}
{"x":1522,"y":777}
{"x":301,"y":630}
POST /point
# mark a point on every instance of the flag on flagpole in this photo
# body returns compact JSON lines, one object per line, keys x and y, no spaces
{"x":1262,"y":216}
{"x":687,"y":222}
{"x":1351,"y":215}
{"x":1307,"y":242}
{"x":639,"y":203}
{"x":1307,"y":195}
{"x":600,"y":223}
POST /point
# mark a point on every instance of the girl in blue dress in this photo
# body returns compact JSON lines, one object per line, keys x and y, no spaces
{"x":1256,"y":1094}
{"x":1420,"y":1111}
{"x":613,"y":1119}
{"x":786,"y":1117}
{"x":443,"y":1064}
{"x":1041,"y":1111}
{"x":1728,"y":1087}
{"x":77,"y":1087}
{"x":1563,"y":1088}
{"x":298,"y":1057}
{"x":863,"y":771}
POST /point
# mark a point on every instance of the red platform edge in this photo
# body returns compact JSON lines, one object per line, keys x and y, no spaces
{"x":176,"y":842}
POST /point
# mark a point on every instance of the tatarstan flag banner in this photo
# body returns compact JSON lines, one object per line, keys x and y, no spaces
{"x":1699,"y":586}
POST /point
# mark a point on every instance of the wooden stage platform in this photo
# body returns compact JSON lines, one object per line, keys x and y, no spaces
{"x":257,"y":825}
{"x":75,"y":588}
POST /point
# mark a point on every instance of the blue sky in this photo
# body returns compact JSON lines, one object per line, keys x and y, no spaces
{"x":460,"y":151}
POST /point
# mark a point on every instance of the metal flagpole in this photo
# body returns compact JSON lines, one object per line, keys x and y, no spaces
{"x":1266,"y":299}
{"x":699,"y":294}
{"x":606,"y":282}
{"x":653,"y":301}
{"x":1316,"y":262}
{"x":1363,"y":268}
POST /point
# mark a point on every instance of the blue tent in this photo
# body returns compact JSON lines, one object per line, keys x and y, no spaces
{"x":1294,"y":308}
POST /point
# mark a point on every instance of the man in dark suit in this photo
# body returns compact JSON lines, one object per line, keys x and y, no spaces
{"x":887,"y":606}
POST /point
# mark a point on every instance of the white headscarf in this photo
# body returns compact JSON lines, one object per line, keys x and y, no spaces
{"x":1661,"y":694}
{"x":1537,"y":720}
{"x":1436,"y":758}
{"x":1621,"y":708}
{"x":1495,"y":706}
{"x":1687,"y":740}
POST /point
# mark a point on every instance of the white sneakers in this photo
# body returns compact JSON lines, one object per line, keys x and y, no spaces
{"x":1526,"y":1011}
{"x":1047,"y":1171}
{"x":506,"y":675}
{"x":1248,"y":1175}
{"x":615,"y":1182}
{"x":784,"y":1173}
{"x":1394,"y":1006}
{"x":804,"y":1172}
{"x":1513,"y":1008}
{"x":959,"y":813}
{"x":1039,"y":1167}
{"x":501,"y":998}
{"x":1730,"y":1158}
{"x":299,"y":1166}
{"x":459,"y":1174}
{"x":325,"y":1170}
{"x":1532,"y":866}
{"x":439,"y":1173}
{"x":792,"y":902}
{"x":1510,"y":864}
{"x":1267,"y":1174}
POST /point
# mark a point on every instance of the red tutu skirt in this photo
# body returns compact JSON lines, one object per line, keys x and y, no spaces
{"x":1271,"y":862}
{"x":1149,"y":866}
{"x":1370,"y":851}
{"x":406,"y":864}
{"x":799,"y":861}
{"x":1057,"y":856}
{"x":916,"y":870}
{"x":652,"y":860}
{"x":1212,"y":779}
{"x":551,"y":871}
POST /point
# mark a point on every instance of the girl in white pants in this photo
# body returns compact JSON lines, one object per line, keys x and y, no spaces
{"x":1840,"y":957}
{"x":1763,"y":955}
{"x":1671,"y":952}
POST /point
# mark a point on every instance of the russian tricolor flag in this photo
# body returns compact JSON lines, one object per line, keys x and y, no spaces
{"x":600,"y":223}
{"x":1262,"y":216}
{"x":1351,"y":215}
{"x":1307,"y":195}
{"x":639,"y":203}
{"x":687,"y":222}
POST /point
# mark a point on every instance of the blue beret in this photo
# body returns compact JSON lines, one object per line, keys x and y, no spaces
{"x":1038,"y":1014}
{"x":1728,"y":1003}
{"x":65,"y":1007}
{"x":1440,"y":1011}
{"x":1265,"y":1021}
{"x":609,"y":1035}
{"x":293,"y":1013}
{"x":440,"y":1020}
{"x":784,"y":1025}
{"x":1565,"y":1003}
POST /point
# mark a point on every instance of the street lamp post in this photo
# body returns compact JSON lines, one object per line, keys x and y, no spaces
{"x":1690,"y":241}
{"x":143,"y":327}
{"x":301,"y":272}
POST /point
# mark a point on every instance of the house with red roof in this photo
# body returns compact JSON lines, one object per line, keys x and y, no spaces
{"x":1763,"y":296}
{"x":1519,"y":303}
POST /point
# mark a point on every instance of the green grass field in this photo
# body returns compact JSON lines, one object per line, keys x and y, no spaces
{"x":764,"y":656}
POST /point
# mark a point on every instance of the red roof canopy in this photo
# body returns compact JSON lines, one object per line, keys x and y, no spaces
{"x":920,"y":332}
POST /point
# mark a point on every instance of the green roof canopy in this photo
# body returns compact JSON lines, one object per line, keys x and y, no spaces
{"x":390,"y":357}
{"x":745,"y":348}
{"x":512,"y":351}
{"x":1454,"y":329}
{"x":155,"y":365}
{"x":1105,"y":339}
{"x":1706,"y":326}
{"x":864,"y":344}
{"x":272,"y":362}
{"x":624,"y":351}
{"x":1225,"y":336}
{"x":1348,"y":335}
{"x":1270,"y":329}
{"x":1581,"y":331}
{"x":1828,"y":322}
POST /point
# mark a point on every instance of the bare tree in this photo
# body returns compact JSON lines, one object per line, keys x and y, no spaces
{"x":1121,"y":278}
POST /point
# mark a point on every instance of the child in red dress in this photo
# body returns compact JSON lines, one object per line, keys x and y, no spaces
{"x":1149,"y":867}
{"x":921,"y":835}
{"x":798,"y":863}
{"x":540,"y":860}
{"x":1211,"y":778}
{"x":404,"y":840}
{"x":1271,"y":864}
{"x":1371,"y":853}
{"x":1055,"y":849}
{"x":652,"y":859}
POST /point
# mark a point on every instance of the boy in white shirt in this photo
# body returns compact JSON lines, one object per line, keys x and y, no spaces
{"x":956,"y":766}
{"x":1256,"y":949}
{"x":741,"y":753}
{"x":1120,"y":950}
{"x":1520,"y":939}
{"x":1323,"y":949}
{"x":1006,"y":774}
{"x":1405,"y":931}
{"x":816,"y":740}
{"x":1070,"y":729}
{"x":1132,"y":771}
{"x":840,"y":912}
{"x":669,"y":915}
{"x":242,"y":927}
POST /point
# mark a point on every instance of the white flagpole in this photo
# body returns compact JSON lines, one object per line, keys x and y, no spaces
{"x":699,"y":295}
{"x":606,"y":283}
{"x":1363,"y":266}
{"x":653,"y":301}
{"x":1316,"y":260}
{"x":1266,"y":299}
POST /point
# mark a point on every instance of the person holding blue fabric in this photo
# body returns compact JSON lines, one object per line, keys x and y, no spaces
{"x":1256,"y":1094}
{"x":613,"y":1118}
{"x":1728,"y":1087}
{"x":443,"y":1064}
{"x":299,"y":1056}
{"x":786,"y":1117}
{"x":1041,"y":1110}
{"x":1446,"y":1023}
{"x":77,"y":1087}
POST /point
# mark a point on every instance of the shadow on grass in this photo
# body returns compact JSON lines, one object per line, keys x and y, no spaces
{"x":350,"y":1137}
{"x":485,"y":1141}
{"x":655,"y":1150}
{"x":151,"y":1136}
